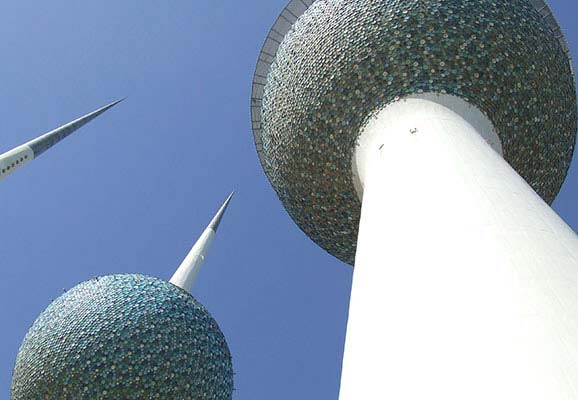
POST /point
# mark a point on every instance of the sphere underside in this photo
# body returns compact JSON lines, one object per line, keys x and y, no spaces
{"x":124,"y":337}
{"x":344,"y":60}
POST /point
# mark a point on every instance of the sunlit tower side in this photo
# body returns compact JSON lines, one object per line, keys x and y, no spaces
{"x":127,"y":336}
{"x":423,"y":141}
{"x":16,"y":158}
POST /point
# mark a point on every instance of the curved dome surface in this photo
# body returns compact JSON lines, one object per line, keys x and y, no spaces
{"x":124,"y":337}
{"x":341,"y":61}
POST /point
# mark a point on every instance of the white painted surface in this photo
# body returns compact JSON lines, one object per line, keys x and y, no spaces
{"x":466,"y":282}
{"x":187,"y":273}
{"x":478,"y":120}
{"x":14,"y":159}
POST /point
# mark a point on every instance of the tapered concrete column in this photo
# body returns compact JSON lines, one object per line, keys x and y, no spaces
{"x":466,"y":282}
{"x":186,"y":274}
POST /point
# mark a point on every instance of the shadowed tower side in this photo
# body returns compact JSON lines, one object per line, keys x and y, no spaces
{"x":422,"y":141}
{"x":16,"y":158}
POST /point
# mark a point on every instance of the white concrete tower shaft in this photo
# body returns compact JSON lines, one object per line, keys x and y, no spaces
{"x":466,"y":282}
{"x":186,"y":274}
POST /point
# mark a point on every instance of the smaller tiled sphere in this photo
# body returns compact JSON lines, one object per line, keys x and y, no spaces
{"x":124,"y":337}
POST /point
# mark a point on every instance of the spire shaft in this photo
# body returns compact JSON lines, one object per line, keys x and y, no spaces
{"x":17,"y":157}
{"x":186,"y":275}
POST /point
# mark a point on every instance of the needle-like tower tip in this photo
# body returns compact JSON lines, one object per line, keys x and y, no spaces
{"x":46,"y":141}
{"x":16,"y":158}
{"x":187,"y":272}
{"x":214,"y":224}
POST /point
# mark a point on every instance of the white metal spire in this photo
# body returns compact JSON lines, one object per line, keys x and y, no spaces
{"x":186,"y":275}
{"x":14,"y":159}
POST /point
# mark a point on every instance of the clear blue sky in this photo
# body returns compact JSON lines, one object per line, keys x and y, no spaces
{"x":131,"y":191}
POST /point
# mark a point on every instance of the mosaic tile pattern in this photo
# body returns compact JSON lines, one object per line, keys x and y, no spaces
{"x":344,"y":60}
{"x":124,"y":337}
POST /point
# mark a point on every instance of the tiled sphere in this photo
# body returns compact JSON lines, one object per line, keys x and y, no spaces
{"x":124,"y":337}
{"x":344,"y":60}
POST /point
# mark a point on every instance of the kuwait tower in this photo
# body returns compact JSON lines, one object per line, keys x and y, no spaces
{"x":422,"y":141}
{"x":128,"y":337}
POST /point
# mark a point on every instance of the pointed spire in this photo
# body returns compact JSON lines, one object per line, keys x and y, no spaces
{"x":18,"y":156}
{"x":46,"y":141}
{"x":214,"y":224}
{"x":187,"y":272}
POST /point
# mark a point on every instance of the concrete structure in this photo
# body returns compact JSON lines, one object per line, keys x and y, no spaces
{"x":125,"y":336}
{"x":16,"y":158}
{"x":423,"y":141}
